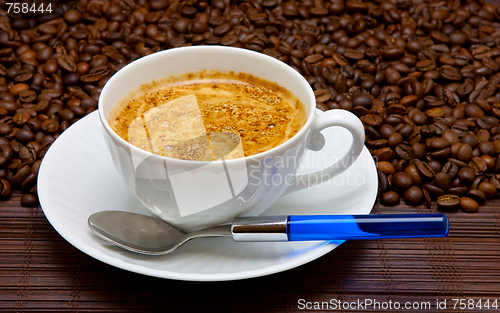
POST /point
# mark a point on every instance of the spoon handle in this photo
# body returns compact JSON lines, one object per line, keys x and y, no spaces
{"x":339,"y":227}
{"x":375,"y":226}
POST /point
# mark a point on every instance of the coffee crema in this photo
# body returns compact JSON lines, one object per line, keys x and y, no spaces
{"x":208,"y":116}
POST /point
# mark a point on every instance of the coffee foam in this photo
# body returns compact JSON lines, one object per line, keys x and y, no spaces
{"x":207,"y":116}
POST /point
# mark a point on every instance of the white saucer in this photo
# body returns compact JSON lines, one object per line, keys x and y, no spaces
{"x":77,"y":178}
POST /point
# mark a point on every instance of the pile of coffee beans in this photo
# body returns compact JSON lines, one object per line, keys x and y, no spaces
{"x":421,"y":75}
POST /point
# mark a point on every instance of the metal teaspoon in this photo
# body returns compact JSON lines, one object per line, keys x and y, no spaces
{"x":148,"y":235}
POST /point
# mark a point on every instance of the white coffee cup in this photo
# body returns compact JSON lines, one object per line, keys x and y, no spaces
{"x":197,"y":194}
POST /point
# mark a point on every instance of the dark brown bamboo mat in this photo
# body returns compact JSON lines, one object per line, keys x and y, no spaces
{"x":41,"y":272}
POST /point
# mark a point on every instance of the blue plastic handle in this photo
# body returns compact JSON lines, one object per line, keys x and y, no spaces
{"x":374,"y":226}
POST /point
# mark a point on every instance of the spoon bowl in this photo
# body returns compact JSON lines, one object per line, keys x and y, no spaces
{"x":144,"y":234}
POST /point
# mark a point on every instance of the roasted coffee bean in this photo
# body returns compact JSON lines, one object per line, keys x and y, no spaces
{"x":450,"y":136}
{"x":402,"y":181}
{"x":386,"y":168}
{"x":33,"y":146}
{"x":495,"y":181}
{"x":73,"y":16}
{"x":89,"y":103}
{"x":6,"y":154}
{"x":5,"y":129}
{"x":101,"y":70}
{"x":419,"y":150}
{"x":50,"y":126}
{"x":433,"y":190}
{"x":448,"y":202}
{"x":471,"y":140}
{"x":66,"y":63}
{"x":362,"y":100}
{"x":458,"y":163}
{"x":386,"y":130}
{"x":8,"y":105}
{"x":477,"y":195}
{"x":419,"y":118}
{"x":439,"y":143}
{"x":435,"y":165}
{"x":20,"y":176}
{"x":406,"y":130}
{"x":404,"y":152}
{"x":468,"y":205}
{"x":400,"y":165}
{"x":377,"y":144}
{"x":372,"y":119}
{"x":29,"y":200}
{"x":412,"y":171}
{"x":5,"y":189}
{"x":472,"y":110}
{"x":478,"y":181}
{"x":415,"y":137}
{"x":451,"y":169}
{"x":466,"y":175}
{"x":427,"y":198}
{"x":25,"y":135}
{"x":66,"y":115}
{"x":35,"y":167}
{"x":23,"y":76}
{"x":478,"y":165}
{"x":383,"y":183}
{"x":413,"y":195}
{"x":4,"y":141}
{"x":483,"y":135}
{"x":44,"y":148}
{"x":71,"y":79}
{"x":16,"y":146}
{"x":28,"y":183}
{"x":34,"y":124}
{"x":451,"y":73}
{"x":442,"y":180}
{"x":487,"y":148}
{"x":488,"y":189}
{"x":428,"y":130}
{"x":459,"y":191}
{"x":464,"y":153}
{"x":425,"y":170}
{"x":441,"y":154}
{"x":12,"y":135}
{"x":21,"y":118}
{"x":394,"y":140}
{"x":390,"y":198}
{"x":26,"y":156}
{"x":90,"y":78}
{"x":425,"y":65}
{"x":27,"y":96}
{"x":484,"y":123}
{"x":440,"y":127}
{"x":46,"y":139}
{"x":384,"y":154}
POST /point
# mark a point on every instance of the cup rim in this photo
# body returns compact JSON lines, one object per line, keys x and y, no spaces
{"x":293,"y":74}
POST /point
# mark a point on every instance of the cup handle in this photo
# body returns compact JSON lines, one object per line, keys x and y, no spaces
{"x":327,"y":119}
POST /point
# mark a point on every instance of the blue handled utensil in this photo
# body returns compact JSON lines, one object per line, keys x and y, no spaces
{"x":339,"y":227}
{"x":148,"y":235}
